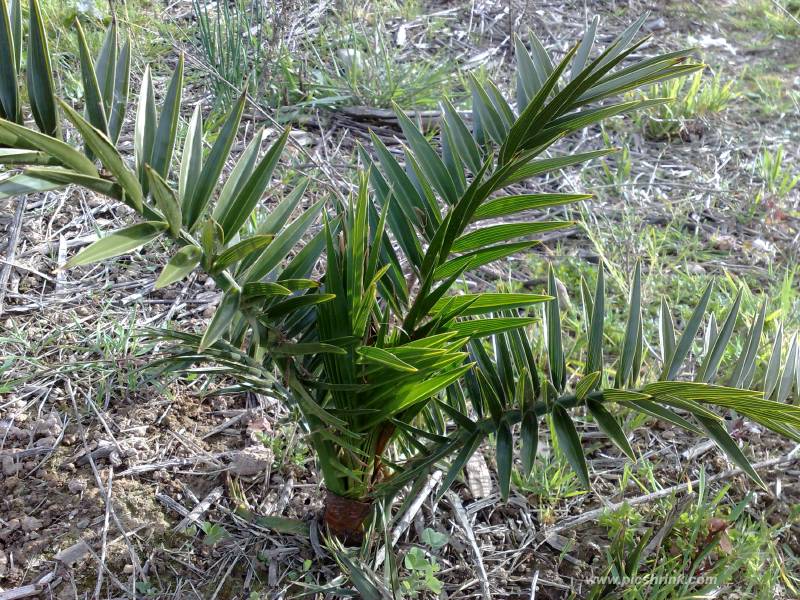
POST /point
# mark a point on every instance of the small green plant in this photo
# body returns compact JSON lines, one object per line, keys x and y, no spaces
{"x":434,"y":539}
{"x":704,"y":546}
{"x":777,"y":180}
{"x":770,"y":93}
{"x":617,"y":175}
{"x":146,"y":589}
{"x":214,"y":533}
{"x":362,"y":66}
{"x":695,"y":97}
{"x":243,"y":40}
{"x":421,"y":574}
{"x":777,"y":17}
{"x":392,"y":369}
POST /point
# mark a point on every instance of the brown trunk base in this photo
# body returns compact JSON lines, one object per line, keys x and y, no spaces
{"x":345,"y":518}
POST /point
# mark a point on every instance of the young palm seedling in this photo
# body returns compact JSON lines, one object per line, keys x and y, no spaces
{"x":391,"y":370}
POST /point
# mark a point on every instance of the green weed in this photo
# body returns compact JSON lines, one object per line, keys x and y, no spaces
{"x":777,"y":179}
{"x":244,"y":41}
{"x":695,"y":96}
{"x":712,"y":545}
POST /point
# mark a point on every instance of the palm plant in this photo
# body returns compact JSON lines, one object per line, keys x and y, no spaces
{"x":392,"y":371}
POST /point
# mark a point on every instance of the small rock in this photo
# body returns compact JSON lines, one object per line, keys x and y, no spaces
{"x":723,"y":242}
{"x":82,"y":524}
{"x":656,"y":24}
{"x":31,"y":523}
{"x":695,"y":269}
{"x":76,"y":486}
{"x":352,"y":59}
{"x":74,"y":553}
{"x":250,"y":461}
{"x":46,"y":442}
{"x":10,"y":467}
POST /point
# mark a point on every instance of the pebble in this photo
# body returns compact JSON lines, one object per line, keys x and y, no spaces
{"x":76,"y":486}
{"x":46,"y":442}
{"x":219,"y":403}
{"x":696,"y":269}
{"x":10,"y":467}
{"x":250,"y":461}
{"x":31,"y":523}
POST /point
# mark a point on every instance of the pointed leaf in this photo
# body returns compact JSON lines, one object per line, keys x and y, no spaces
{"x":428,"y":159}
{"x":166,"y":200}
{"x":9,"y":84}
{"x":144,"y":132}
{"x":555,"y":351}
{"x":371,"y":354}
{"x":666,"y":334}
{"x":239,"y":175}
{"x":505,"y":449}
{"x":18,"y":136}
{"x":93,"y":96}
{"x":209,"y":175}
{"x":223,"y":316}
{"x":479,"y":239}
{"x":717,"y":432}
{"x":476,"y":259}
{"x":63,"y":177}
{"x":609,"y":425}
{"x":745,"y":365}
{"x":708,"y":370}
{"x":594,"y":356}
{"x":108,"y":155}
{"x":241,"y":251}
{"x":119,"y":242}
{"x":586,"y":385}
{"x":179,"y":266}
{"x":687,"y":338}
{"x":22,"y":184}
{"x":570,"y":444}
{"x":631,"y":328}
{"x":233,"y":215}
{"x":487,"y":302}
{"x":509,"y":205}
{"x":41,"y":89}
{"x":529,"y":433}
{"x":164,"y":140}
{"x":485,"y":327}
{"x":191,"y":160}
{"x":119,"y":102}
{"x":105,"y":66}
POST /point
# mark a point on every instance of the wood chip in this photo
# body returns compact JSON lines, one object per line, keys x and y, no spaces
{"x":479,"y":478}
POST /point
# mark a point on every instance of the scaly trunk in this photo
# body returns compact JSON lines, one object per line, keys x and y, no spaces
{"x":345,"y":518}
